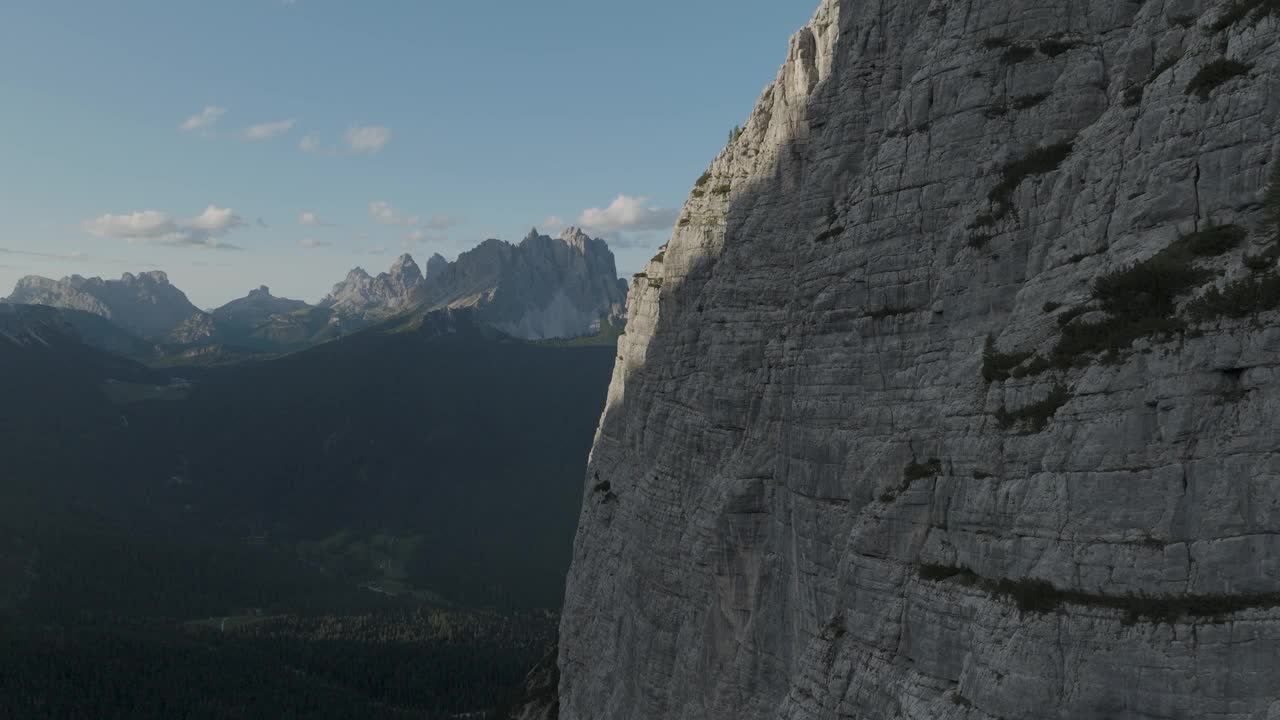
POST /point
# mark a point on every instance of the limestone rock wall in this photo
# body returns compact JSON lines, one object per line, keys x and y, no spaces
{"x":891,"y":434}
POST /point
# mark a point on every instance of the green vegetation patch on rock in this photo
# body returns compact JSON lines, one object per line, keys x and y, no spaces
{"x":1037,"y":162}
{"x":1035,"y":417}
{"x":912,"y":472}
{"x":997,"y":365}
{"x":1239,"y":299}
{"x":1141,"y":299}
{"x":1032,"y":595}
{"x":1214,"y":74}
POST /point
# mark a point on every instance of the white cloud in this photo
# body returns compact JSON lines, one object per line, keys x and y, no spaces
{"x":215,"y":221}
{"x":203,"y":120}
{"x":313,"y":243}
{"x":443,"y":222}
{"x":205,"y":230}
{"x":309,"y":143}
{"x":552,"y":223}
{"x":310,"y":218}
{"x":384,"y":214}
{"x":628,"y":213}
{"x":416,"y":236}
{"x":367,"y":138}
{"x":266,"y":131}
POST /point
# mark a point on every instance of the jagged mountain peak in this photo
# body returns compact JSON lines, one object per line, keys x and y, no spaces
{"x":543,"y":287}
{"x":367,"y":298}
{"x":406,"y":270}
{"x":247,"y":313}
{"x":576,"y":237}
{"x":436,"y":264}
{"x":151,"y":277}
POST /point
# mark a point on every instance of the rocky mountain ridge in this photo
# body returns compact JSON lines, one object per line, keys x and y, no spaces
{"x":951,"y":395}
{"x":369,"y":298}
{"x":256,"y":308}
{"x":145,"y":304}
{"x":542,"y":288}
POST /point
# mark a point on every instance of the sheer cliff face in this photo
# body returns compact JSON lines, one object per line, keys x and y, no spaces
{"x":815,"y":471}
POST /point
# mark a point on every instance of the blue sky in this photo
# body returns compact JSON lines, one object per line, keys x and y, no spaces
{"x":194,"y":137}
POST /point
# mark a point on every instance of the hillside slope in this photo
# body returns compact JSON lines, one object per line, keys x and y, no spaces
{"x":952,"y":395}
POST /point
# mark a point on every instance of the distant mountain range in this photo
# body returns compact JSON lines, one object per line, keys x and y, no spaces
{"x":541,"y":288}
{"x":145,"y":305}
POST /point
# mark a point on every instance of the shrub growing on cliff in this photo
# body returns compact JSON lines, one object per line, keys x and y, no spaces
{"x":1238,"y":299}
{"x":1214,"y":74}
{"x":1016,"y":54}
{"x":1212,"y":241}
{"x":997,"y":365}
{"x":1037,"y":414}
{"x":1141,"y":299}
{"x":1055,"y":46}
{"x":919,"y":471}
{"x":1031,"y":595}
{"x":1039,"y":596}
{"x":1022,"y":102}
{"x":1037,"y":162}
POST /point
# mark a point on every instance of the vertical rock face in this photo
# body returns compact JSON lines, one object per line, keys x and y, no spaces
{"x":953,"y":394}
{"x":145,"y":304}
{"x":436,"y":264}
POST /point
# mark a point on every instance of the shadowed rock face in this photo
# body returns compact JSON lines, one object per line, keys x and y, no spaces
{"x":891,"y":436}
{"x":145,"y":304}
{"x":543,"y":287}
